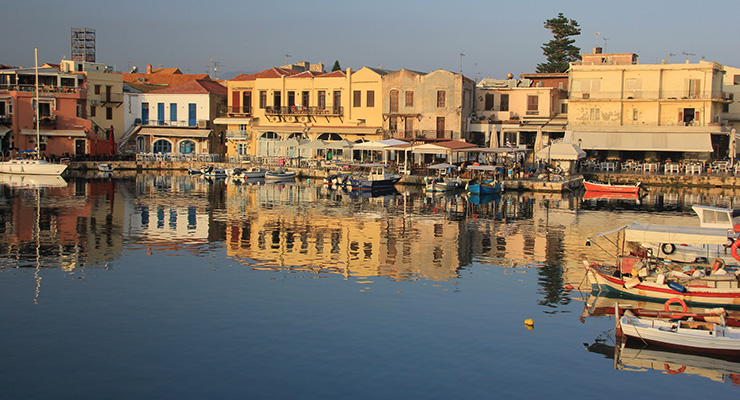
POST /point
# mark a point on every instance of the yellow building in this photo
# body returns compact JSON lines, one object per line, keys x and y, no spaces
{"x":268,"y":109}
{"x":622,"y":109}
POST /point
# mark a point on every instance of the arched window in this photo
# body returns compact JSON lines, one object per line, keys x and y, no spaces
{"x":162,"y":146}
{"x":329,"y":136}
{"x":187,"y":147}
{"x":140,"y":145}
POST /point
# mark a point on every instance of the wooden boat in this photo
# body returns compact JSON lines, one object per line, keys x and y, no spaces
{"x":482,"y":184}
{"x":608,"y":187}
{"x":696,"y":336}
{"x":214,"y":172}
{"x":280,"y":175}
{"x":373,"y":177}
{"x":593,"y":195}
{"x":254,"y":172}
{"x":444,"y":181}
{"x":484,"y":188}
{"x":702,"y":284}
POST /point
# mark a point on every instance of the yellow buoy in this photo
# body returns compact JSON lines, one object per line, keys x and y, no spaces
{"x":529,"y":322}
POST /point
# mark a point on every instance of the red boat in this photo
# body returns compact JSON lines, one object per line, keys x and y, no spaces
{"x":608,"y":187}
{"x":590,"y":194}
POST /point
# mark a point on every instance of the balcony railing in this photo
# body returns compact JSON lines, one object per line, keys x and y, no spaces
{"x":237,"y":110}
{"x":46,"y":120}
{"x":112,"y":98}
{"x":646,"y":95}
{"x":161,"y":122}
{"x":42,"y":88}
{"x":237,"y":134}
{"x":310,"y":111}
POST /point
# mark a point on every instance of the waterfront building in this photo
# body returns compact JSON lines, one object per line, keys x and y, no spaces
{"x":176,"y":121}
{"x":619,"y":108}
{"x":427,"y":107}
{"x":525,"y":113}
{"x":78,"y":109}
{"x":300,"y":103}
{"x":731,"y":109}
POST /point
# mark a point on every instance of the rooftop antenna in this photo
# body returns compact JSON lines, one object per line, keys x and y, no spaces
{"x":687,"y":55}
{"x":287,"y":56}
{"x":461,"y":56}
{"x":597,"y":38}
{"x":213,"y":67}
{"x":605,"y":39}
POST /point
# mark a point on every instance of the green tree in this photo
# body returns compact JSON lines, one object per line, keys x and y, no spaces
{"x":560,"y":51}
{"x":336,"y":66}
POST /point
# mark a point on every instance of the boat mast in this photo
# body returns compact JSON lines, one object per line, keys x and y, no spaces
{"x":38,"y":135}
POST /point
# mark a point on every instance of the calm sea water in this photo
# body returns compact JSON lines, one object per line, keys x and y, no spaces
{"x":177,"y":287}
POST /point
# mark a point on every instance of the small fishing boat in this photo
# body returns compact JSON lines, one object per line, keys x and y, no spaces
{"x":254,"y":172}
{"x":214,"y":172}
{"x":608,"y":187}
{"x":105,"y":167}
{"x":482,"y":183}
{"x":443,"y":182}
{"x":695,"y":336}
{"x":374,"y":177}
{"x":280,"y":175}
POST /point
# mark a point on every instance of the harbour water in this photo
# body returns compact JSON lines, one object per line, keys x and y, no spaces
{"x":174,"y":286}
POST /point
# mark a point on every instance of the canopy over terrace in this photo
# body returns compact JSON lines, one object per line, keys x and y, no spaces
{"x":450,"y":149}
{"x":500,"y":155}
{"x":380,"y":145}
{"x":561,"y":151}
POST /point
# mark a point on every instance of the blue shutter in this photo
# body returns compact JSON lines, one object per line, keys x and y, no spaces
{"x":192,"y":118}
{"x":173,"y":112}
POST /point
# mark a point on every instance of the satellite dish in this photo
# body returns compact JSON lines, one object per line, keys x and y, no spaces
{"x":134,"y":69}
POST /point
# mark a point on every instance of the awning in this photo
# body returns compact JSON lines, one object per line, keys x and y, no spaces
{"x":346,"y":130}
{"x":232,"y":121}
{"x":165,"y":132}
{"x":645,"y":141}
{"x":442,"y":147}
{"x":279,"y":129}
{"x":676,"y":234}
{"x":4,"y":130}
{"x":561,"y":151}
{"x":379,"y":145}
{"x":55,"y":132}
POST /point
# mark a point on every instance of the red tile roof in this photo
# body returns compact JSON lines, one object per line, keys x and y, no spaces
{"x":195,"y":87}
{"x":162,"y":78}
{"x":268,"y":73}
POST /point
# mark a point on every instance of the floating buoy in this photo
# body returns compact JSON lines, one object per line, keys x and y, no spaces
{"x":529,"y":322}
{"x":568,"y":287}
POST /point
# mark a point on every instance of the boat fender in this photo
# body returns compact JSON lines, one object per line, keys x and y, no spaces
{"x":677,"y":287}
{"x":733,"y":250}
{"x":668,"y":248}
{"x":675,"y":300}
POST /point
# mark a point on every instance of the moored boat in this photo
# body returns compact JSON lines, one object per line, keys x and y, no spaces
{"x":444,"y":181}
{"x":608,"y":187}
{"x":105,"y":167}
{"x":374,"y":178}
{"x":280,"y":175}
{"x":31,"y":167}
{"x":695,"y":336}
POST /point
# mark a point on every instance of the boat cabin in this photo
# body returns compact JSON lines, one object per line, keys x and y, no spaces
{"x":716,"y":217}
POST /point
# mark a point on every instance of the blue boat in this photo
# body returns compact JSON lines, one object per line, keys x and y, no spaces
{"x":483,"y":185}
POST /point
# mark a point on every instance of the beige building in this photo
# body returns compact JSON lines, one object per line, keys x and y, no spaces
{"x":731,"y":110}
{"x":524,"y":113}
{"x":622,"y":109}
{"x":431,"y":106}
{"x":269,"y":108}
{"x":104,"y":96}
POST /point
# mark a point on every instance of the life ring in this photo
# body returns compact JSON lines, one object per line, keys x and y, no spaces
{"x":675,"y":300}
{"x":733,"y":250}
{"x":668,"y":248}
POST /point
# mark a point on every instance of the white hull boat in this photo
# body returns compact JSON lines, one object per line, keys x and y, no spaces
{"x":31,"y":167}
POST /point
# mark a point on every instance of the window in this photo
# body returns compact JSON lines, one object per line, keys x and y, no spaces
{"x":736,"y":80}
{"x":635,"y":113}
{"x":694,"y":87}
{"x":337,"y":101}
{"x":192,"y":115}
{"x":322,"y":100}
{"x":504,"y":102}
{"x":633,"y":88}
{"x":108,"y":112}
{"x":263,"y":99}
{"x":277,"y":100}
{"x":441,"y":99}
{"x":305,"y":99}
{"x":533,"y":105}
{"x":489,"y":102}
{"x":394,"y":101}
{"x":92,"y":111}
{"x":173,"y":112}
{"x":564,"y":108}
{"x":595,"y":114}
{"x":440,"y":127}
{"x":370,"y":101}
{"x":145,"y":113}
{"x":242,"y":149}
{"x":409,"y":99}
{"x":160,"y":113}
{"x":242,"y":127}
{"x":589,"y":87}
{"x":393,"y":124}
{"x":408,"y":130}
{"x":187,"y":147}
{"x":356,"y":98}
{"x":97,"y":89}
{"x":162,"y":146}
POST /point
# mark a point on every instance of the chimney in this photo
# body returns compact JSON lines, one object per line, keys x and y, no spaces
{"x":149,"y":68}
{"x":597,"y":50}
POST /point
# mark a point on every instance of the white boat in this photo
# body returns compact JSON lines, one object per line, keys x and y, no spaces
{"x":32,"y":181}
{"x":443,"y":182}
{"x":375,"y":177}
{"x":254,"y":172}
{"x":696,"y":336}
{"x":280,"y":175}
{"x":31,"y":167}
{"x":35,"y":166}
{"x":105,"y":167}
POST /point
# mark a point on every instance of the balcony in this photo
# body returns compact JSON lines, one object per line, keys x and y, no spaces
{"x":237,"y":135}
{"x":48,"y":121}
{"x":313,"y":111}
{"x":112,"y":98}
{"x":42,"y":88}
{"x":241,"y":111}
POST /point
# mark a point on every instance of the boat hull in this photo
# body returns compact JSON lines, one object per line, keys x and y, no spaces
{"x":444,"y":186}
{"x":31,"y":167}
{"x":280,"y":176}
{"x":485,"y":188}
{"x":695,"y":295}
{"x":363,"y":184}
{"x":704,"y":337}
{"x":604,"y":187}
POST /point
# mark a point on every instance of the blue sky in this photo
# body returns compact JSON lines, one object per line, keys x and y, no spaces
{"x":248,"y":36}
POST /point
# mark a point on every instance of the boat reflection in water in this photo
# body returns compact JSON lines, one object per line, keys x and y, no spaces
{"x":32,"y":181}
